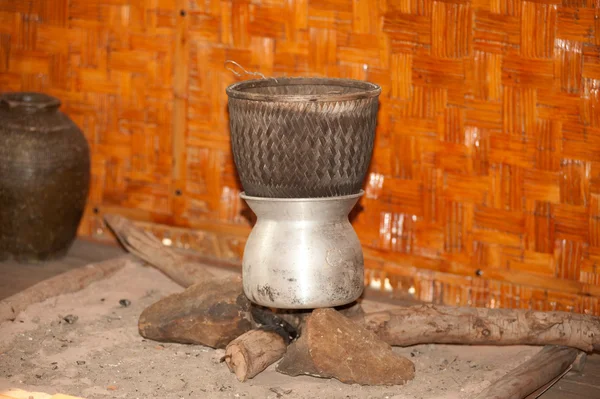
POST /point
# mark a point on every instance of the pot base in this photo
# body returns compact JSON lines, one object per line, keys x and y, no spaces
{"x":303,"y":253}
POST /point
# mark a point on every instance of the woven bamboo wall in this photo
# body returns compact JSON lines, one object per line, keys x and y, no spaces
{"x":485,"y":184}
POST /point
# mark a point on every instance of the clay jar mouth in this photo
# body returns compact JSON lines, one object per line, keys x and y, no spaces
{"x":29,"y":102}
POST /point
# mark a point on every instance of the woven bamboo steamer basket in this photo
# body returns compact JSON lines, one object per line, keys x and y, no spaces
{"x":302,"y":137}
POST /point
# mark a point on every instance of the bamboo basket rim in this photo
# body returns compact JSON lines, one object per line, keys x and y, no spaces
{"x":308,"y":199}
{"x":364,"y":89}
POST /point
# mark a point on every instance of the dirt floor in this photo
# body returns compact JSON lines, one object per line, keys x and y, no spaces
{"x":87,"y":344}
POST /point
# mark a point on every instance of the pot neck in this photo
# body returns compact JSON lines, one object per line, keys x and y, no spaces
{"x":326,"y":209}
{"x":31,"y":102}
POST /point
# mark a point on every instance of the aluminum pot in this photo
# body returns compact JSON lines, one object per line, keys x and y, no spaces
{"x":303,"y":253}
{"x":302,"y":137}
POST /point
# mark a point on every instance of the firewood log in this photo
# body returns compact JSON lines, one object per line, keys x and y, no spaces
{"x":428,"y":324}
{"x":254,"y":351}
{"x":150,"y":249}
{"x":550,"y":362}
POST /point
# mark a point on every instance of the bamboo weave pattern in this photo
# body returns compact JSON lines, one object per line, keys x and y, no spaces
{"x":484,"y":187}
{"x":303,"y":149}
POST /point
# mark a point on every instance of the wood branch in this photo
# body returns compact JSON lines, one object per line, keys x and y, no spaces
{"x":68,"y":282}
{"x":545,"y":366}
{"x":147,"y":247}
{"x":211,"y":313}
{"x":427,"y":324}
{"x":577,"y":366}
{"x":254,"y":351}
{"x":332,"y":346}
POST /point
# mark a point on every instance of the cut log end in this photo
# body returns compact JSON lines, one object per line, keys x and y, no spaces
{"x":237,"y":362}
{"x":252,"y":352}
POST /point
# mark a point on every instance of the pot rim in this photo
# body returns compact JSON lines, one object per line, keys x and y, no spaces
{"x":29,"y":99}
{"x":310,"y":199}
{"x":365,"y":89}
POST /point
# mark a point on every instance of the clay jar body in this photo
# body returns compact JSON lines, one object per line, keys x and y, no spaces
{"x":44,"y":177}
{"x":303,"y":253}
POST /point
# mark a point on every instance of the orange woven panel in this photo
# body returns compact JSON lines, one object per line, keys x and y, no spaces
{"x":485,"y":184}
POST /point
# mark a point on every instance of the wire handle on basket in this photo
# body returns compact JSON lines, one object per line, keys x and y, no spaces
{"x":245,"y":71}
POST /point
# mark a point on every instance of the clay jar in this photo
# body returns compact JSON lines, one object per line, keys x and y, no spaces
{"x":44,"y":177}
